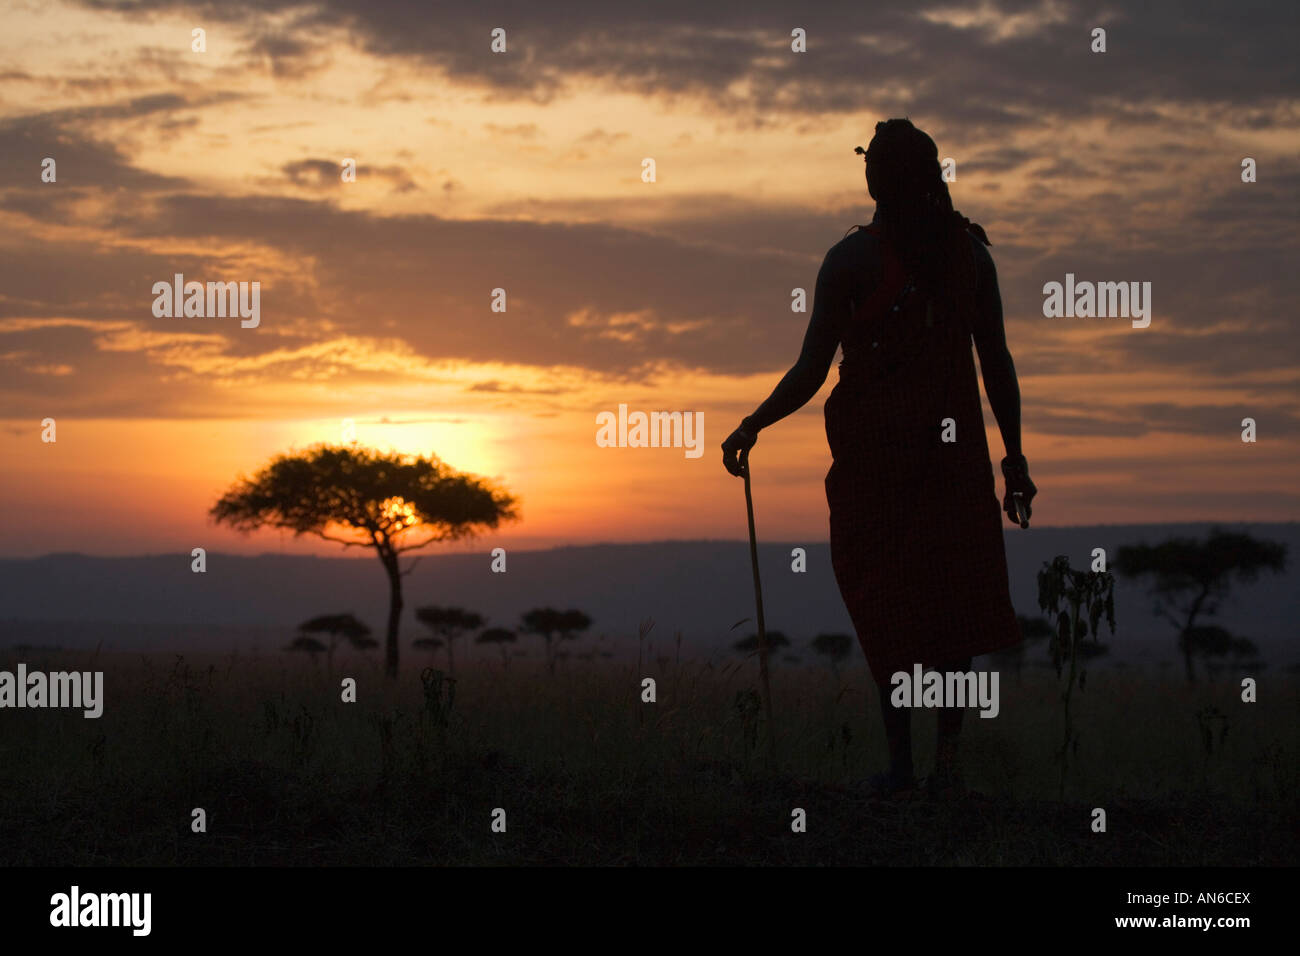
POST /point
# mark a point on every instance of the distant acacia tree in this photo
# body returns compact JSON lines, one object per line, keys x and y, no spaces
{"x":339,"y":627}
{"x":749,"y":645}
{"x":553,"y":626}
{"x":359,"y":497}
{"x":449,"y":623}
{"x":1195,"y":576}
{"x":501,"y":637}
{"x":834,"y":647}
{"x":307,"y":645}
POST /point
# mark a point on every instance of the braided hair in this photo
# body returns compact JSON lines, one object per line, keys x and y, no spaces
{"x":906,"y":181}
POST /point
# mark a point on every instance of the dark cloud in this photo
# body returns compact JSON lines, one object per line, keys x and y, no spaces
{"x":588,"y":295}
{"x":83,"y":160}
{"x":503,"y":388}
{"x":327,"y":172}
{"x":996,"y":161}
{"x":984,"y":78}
{"x":285,"y":55}
{"x":1098,"y":419}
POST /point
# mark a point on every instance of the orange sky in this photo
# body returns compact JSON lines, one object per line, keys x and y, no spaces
{"x":523,"y":171}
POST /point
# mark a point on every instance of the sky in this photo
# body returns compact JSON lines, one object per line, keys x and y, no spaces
{"x":522,"y":170}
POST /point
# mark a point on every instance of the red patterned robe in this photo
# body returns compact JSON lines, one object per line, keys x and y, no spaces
{"x":915,"y":522}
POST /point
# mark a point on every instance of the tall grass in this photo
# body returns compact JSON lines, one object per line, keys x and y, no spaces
{"x":589,"y":774}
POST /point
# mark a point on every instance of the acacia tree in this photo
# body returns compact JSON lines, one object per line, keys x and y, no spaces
{"x":338,"y":626}
{"x":360,"y":497}
{"x":750,"y":644}
{"x":499,"y":636}
{"x":449,"y":623}
{"x":1198,"y":574}
{"x":552,"y":625}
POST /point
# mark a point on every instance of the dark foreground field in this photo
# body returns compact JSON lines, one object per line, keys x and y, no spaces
{"x":588,"y":774}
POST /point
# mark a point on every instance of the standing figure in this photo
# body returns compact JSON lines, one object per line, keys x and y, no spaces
{"x":915,"y":532}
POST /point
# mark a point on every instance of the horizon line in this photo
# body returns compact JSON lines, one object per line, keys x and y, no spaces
{"x":602,"y":543}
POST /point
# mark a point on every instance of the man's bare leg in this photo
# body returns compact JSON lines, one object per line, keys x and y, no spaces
{"x":946,"y":772}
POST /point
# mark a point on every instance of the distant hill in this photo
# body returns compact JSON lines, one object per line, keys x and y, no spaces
{"x":702,"y":587}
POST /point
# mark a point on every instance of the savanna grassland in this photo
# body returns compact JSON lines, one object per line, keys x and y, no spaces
{"x":589,"y":774}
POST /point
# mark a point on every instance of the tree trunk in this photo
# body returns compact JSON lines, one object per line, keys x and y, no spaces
{"x":1187,"y":631}
{"x":451,"y":657}
{"x":394,"y":614}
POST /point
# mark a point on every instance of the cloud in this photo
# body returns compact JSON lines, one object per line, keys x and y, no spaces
{"x":83,"y":160}
{"x":1098,"y":419}
{"x":286,"y":55}
{"x":994,"y":67}
{"x":316,"y":173}
{"x":519,"y":130}
{"x":502,"y":388}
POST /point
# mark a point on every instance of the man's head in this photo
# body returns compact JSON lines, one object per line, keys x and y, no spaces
{"x":902,"y":163}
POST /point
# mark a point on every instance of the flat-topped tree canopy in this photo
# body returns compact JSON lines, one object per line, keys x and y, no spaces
{"x":360,"y":497}
{"x":547,"y":620}
{"x":337,"y":625}
{"x":775,"y":639}
{"x":444,"y":620}
{"x":550,"y":624}
{"x":835,"y":646}
{"x":449,"y":623}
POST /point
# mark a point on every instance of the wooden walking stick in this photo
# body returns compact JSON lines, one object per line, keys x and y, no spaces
{"x":758,"y":600}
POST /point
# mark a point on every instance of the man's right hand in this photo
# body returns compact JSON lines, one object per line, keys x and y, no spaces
{"x":735,"y":451}
{"x":1015,"y":474}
